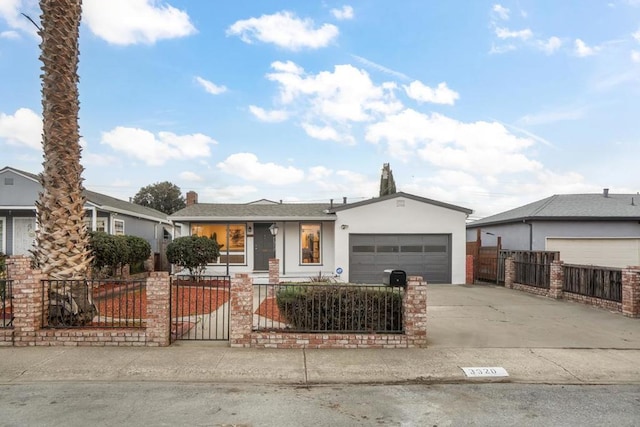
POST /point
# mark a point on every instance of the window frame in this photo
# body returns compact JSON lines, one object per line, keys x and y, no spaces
{"x":115,"y":231}
{"x":320,"y":243}
{"x":223,"y":250}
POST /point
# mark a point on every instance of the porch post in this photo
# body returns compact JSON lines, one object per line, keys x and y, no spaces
{"x":274,"y":271}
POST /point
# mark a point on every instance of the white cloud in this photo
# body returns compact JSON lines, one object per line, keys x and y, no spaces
{"x":636,"y":36}
{"x":156,"y":150}
{"x":210,"y":87}
{"x":286,"y":30}
{"x":553,"y":116}
{"x":382,"y":68}
{"x":505,"y":33}
{"x":247,"y":166}
{"x":126,"y":22}
{"x":24,"y":127}
{"x":232,"y":193}
{"x":9,"y":35}
{"x":319,"y":174}
{"x":346,"y":12}
{"x":10,"y":12}
{"x":99,"y":160}
{"x":287,"y":67}
{"x":501,"y":49}
{"x":479,"y":147}
{"x":423,"y":93}
{"x":635,"y":56}
{"x":346,"y":94}
{"x":273,"y":116}
{"x":326,"y":133}
{"x":551,"y":45}
{"x":501,"y":11}
{"x":190,"y":176}
{"x":583,"y":50}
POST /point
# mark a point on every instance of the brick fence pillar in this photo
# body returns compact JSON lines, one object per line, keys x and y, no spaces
{"x":631,"y":292}
{"x":27,"y":304}
{"x":415,"y":312}
{"x":469,"y":276}
{"x":509,"y":272}
{"x":557,"y":279}
{"x":241,"y":321}
{"x":158,"y":309}
{"x":274,"y":271}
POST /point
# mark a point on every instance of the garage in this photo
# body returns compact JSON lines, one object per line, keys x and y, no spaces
{"x":426,"y":255}
{"x":607,"y":252}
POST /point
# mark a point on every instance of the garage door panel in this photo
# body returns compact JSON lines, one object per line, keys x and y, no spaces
{"x":426,"y":255}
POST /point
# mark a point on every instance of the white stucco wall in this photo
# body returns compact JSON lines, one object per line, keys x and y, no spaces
{"x":389,"y":217}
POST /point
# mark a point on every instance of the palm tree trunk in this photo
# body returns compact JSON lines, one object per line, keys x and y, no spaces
{"x":62,"y":250}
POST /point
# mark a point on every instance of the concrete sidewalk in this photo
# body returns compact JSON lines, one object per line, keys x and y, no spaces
{"x":537,"y":340}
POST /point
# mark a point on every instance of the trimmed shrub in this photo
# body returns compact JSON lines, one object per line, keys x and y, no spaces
{"x":3,"y":266}
{"x":340,"y":308}
{"x":139,"y":249}
{"x":193,"y":253}
{"x":113,"y":252}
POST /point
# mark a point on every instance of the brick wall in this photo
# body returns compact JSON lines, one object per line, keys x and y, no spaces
{"x":30,"y":304}
{"x":242,"y":334}
{"x":274,"y":271}
{"x":469,"y":271}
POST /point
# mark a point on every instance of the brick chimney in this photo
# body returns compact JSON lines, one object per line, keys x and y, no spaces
{"x":192,"y":198}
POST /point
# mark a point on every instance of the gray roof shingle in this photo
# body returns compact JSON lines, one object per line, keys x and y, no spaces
{"x":254,"y":211}
{"x":571,"y":207}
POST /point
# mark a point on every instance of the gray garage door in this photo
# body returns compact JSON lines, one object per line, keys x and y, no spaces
{"x":426,"y":255}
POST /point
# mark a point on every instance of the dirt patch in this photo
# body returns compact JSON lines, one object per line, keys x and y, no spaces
{"x":269,"y":309}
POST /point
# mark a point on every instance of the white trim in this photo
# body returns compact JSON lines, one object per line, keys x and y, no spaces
{"x":18,"y":208}
{"x":9,"y":168}
{"x":329,"y":217}
{"x":114,"y":227}
{"x":3,"y":230}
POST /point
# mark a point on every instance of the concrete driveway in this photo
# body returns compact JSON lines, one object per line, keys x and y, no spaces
{"x":485,"y":316}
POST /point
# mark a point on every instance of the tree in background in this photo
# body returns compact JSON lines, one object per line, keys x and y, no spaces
{"x":161,"y":196}
{"x":387,"y":183}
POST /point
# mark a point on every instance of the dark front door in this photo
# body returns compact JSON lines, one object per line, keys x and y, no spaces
{"x":263,"y":246}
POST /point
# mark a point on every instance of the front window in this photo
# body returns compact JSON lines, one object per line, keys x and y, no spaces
{"x":101,"y":223}
{"x":118,"y":227}
{"x":310,"y":243}
{"x":230,"y":237}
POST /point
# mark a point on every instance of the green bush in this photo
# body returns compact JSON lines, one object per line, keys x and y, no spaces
{"x":113,"y":252}
{"x":340,"y":308}
{"x":193,"y":253}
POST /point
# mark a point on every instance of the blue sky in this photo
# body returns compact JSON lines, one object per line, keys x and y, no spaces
{"x":486,"y":105}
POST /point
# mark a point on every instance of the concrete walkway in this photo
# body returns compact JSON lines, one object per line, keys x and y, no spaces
{"x":537,"y":340}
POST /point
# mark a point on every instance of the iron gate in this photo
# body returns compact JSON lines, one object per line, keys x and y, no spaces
{"x":200,"y":308}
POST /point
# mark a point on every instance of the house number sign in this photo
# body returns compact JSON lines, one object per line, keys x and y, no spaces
{"x":485,"y":372}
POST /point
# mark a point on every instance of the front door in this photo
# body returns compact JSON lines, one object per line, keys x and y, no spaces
{"x":263,"y":246}
{"x":24,"y":235}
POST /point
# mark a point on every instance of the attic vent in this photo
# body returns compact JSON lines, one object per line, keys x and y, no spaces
{"x":8,"y":181}
{"x":400,"y":203}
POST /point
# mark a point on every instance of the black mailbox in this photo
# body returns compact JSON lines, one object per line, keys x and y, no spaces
{"x":394,"y":278}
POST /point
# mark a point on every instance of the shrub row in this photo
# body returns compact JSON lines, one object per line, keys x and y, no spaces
{"x":116,"y":251}
{"x":340,"y":308}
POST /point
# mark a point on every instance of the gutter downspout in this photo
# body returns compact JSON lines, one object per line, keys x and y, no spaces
{"x":530,"y":234}
{"x":284,"y":242}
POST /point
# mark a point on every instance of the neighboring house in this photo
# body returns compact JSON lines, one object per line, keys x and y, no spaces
{"x":355,"y":241}
{"x":19,"y":191}
{"x":593,"y":229}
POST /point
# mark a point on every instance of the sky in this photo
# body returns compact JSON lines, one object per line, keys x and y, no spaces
{"x":482,"y":104}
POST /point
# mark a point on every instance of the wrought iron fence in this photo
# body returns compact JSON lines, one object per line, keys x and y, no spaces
{"x":321,"y":308}
{"x":6,"y":308}
{"x":199,"y":309}
{"x":533,"y":274}
{"x":94,"y":303}
{"x":593,"y":281}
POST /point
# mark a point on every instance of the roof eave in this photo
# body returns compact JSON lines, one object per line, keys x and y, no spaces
{"x":251,"y":218}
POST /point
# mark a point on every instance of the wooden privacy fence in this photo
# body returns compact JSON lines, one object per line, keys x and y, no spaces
{"x":610,"y":288}
{"x":541,"y":258}
{"x":592,"y":281}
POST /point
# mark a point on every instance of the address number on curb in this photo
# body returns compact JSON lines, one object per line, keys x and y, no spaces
{"x":485,"y":372}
